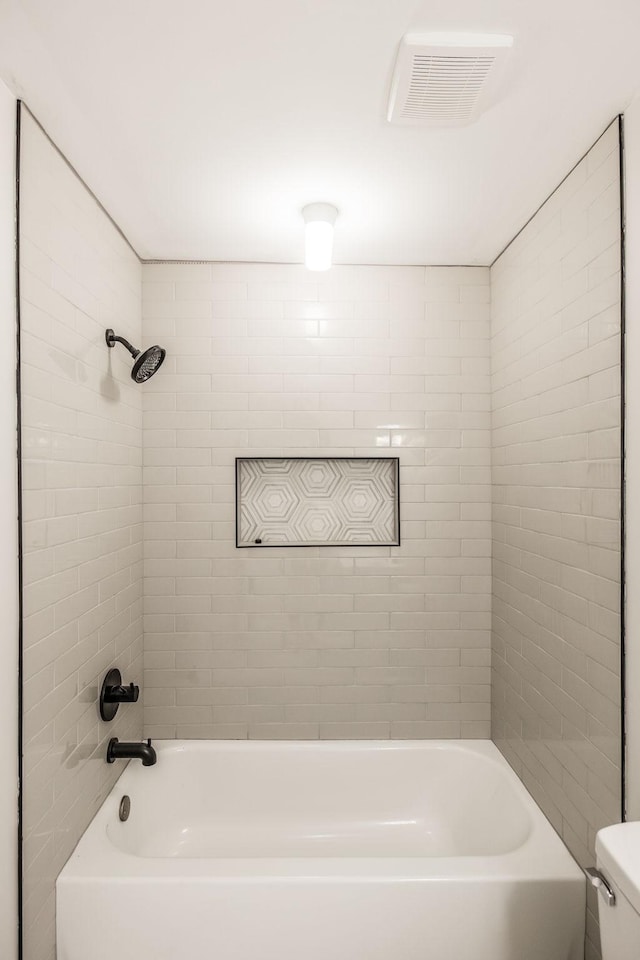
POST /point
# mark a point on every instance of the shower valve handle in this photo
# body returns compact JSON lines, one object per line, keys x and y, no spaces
{"x":114,"y":692}
{"x":122,"y":694}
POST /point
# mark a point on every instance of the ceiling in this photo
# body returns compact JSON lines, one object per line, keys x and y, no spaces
{"x":205,"y":126}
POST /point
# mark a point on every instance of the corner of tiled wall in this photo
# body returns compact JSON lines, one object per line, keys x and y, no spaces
{"x":82,"y":513}
{"x":556,"y":379}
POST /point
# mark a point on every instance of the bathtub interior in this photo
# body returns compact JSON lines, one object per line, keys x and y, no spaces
{"x":311,"y":800}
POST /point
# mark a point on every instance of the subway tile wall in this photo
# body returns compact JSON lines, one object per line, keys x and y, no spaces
{"x":556,"y":323}
{"x":269,"y":360}
{"x":82,"y":512}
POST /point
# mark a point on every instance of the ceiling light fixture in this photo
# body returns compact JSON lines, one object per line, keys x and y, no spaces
{"x":319,"y":219}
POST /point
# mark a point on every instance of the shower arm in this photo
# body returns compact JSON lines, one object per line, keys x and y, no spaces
{"x":112,"y":338}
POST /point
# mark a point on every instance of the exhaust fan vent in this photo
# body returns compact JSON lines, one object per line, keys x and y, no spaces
{"x":446,"y":79}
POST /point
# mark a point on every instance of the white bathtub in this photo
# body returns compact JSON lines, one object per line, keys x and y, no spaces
{"x":425,"y":850}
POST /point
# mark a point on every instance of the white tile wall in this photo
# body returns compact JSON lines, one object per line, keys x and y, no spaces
{"x":556,"y":504}
{"x":82,"y":474}
{"x":271,"y":360}
{"x":321,"y":642}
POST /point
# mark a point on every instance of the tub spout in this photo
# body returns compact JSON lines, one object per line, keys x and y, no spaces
{"x":135,"y":751}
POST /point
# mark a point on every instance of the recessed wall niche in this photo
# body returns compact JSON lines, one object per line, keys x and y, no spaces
{"x":317,"y":501}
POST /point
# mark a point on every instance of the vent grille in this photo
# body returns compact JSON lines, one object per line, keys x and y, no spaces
{"x":443,"y":85}
{"x":445,"y":88}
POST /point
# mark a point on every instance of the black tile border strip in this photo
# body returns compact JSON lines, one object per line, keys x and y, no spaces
{"x":623,"y":491}
{"x":20,"y":865}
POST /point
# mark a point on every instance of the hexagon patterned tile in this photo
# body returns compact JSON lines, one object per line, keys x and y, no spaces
{"x":316,"y":501}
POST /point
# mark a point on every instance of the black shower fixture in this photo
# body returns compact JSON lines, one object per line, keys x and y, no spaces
{"x":146,"y":363}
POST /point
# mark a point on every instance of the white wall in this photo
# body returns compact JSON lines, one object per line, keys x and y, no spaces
{"x":271,"y":360}
{"x":8,"y":541}
{"x":632,"y":504}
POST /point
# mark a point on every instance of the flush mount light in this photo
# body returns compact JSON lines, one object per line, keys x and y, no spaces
{"x":319,"y":219}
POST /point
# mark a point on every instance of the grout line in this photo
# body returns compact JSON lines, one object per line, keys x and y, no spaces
{"x":290,"y":263}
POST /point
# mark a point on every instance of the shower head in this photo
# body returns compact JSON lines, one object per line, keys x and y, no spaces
{"x":146,"y":363}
